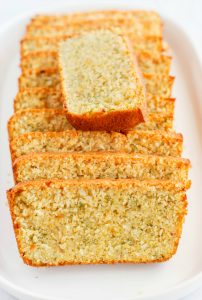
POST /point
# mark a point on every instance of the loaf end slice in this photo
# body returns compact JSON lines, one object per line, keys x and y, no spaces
{"x":101,"y":82}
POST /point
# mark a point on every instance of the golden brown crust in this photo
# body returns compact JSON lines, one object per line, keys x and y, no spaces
{"x":112,"y":121}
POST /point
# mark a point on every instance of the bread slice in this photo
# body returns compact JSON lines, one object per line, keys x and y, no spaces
{"x":96,"y":165}
{"x":52,"y":98}
{"x":101,"y":83}
{"x":155,"y":85}
{"x":151,"y":44}
{"x":148,"y":63}
{"x":139,"y":15}
{"x":143,"y":142}
{"x":97,"y":221}
{"x":32,"y":120}
{"x":128,"y":25}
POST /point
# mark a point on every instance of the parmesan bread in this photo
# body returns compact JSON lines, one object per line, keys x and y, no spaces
{"x":52,"y":98}
{"x":97,"y":221}
{"x":148,"y":63}
{"x":32,"y":120}
{"x":155,"y":85}
{"x":143,"y":142}
{"x":151,"y":44}
{"x":101,"y":83}
{"x":95,"y":165}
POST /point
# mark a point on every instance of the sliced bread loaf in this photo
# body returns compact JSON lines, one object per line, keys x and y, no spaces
{"x":97,"y":221}
{"x":143,"y":142}
{"x":96,"y":165}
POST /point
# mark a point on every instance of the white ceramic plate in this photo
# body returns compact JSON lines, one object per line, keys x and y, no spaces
{"x":169,"y":280}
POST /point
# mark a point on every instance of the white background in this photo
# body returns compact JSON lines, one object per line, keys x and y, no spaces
{"x":188,"y":13}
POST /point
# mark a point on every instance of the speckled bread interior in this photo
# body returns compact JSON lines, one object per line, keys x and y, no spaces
{"x":97,"y":221}
{"x":137,"y":141}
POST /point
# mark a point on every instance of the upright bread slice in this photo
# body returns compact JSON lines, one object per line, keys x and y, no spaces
{"x":128,"y":25}
{"x":52,"y":98}
{"x":139,"y":15}
{"x":149,"y":44}
{"x":97,"y":221}
{"x":155,"y":85}
{"x":148,"y":63}
{"x":143,"y":142}
{"x":32,"y":120}
{"x":96,"y":165}
{"x":101,"y":82}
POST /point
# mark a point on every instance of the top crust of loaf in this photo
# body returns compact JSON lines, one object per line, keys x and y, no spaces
{"x":102,"y":85}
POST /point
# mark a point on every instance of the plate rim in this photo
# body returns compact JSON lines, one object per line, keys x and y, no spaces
{"x":178,"y":290}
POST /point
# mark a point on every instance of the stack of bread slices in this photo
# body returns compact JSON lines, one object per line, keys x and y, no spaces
{"x":97,"y":164}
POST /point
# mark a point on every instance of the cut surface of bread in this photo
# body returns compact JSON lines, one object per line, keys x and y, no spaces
{"x":143,"y":142}
{"x":32,"y":120}
{"x":52,"y":98}
{"x":148,"y":63}
{"x":155,"y":85}
{"x":39,"y":98}
{"x":151,"y":44}
{"x":44,"y":120}
{"x":97,"y":221}
{"x":101,"y":82}
{"x":93,"y":165}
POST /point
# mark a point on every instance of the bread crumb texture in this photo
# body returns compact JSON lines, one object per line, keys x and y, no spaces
{"x":99,"y":74}
{"x":97,"y":221}
{"x":99,"y":165}
{"x":143,"y":142}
